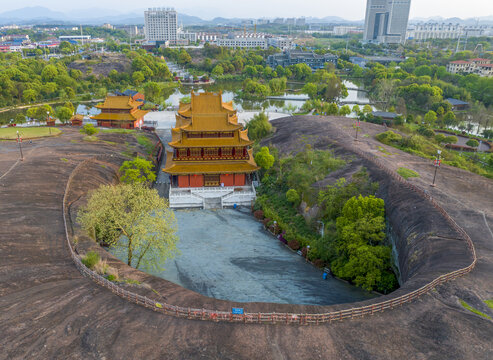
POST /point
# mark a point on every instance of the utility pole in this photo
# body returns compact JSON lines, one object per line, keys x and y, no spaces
{"x":356,"y":127}
{"x":437,"y":165}
{"x":19,"y":141}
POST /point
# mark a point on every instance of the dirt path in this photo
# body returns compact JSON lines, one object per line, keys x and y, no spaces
{"x":49,"y":311}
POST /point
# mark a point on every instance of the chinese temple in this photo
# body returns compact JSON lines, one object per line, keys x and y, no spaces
{"x":210,"y":150}
{"x":120,"y":112}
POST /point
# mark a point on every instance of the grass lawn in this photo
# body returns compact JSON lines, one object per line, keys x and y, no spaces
{"x":470,"y":308}
{"x":489,"y":303}
{"x":407,"y":173}
{"x":10,"y":133}
{"x":118,"y":131}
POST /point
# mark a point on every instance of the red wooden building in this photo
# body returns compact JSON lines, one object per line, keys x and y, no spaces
{"x":120,"y":112}
{"x":209,"y":146}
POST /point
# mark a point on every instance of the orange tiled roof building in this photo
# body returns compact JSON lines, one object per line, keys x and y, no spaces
{"x":210,"y":148}
{"x":120,"y":112}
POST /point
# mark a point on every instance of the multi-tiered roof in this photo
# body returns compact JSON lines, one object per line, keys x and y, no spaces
{"x":120,"y":111}
{"x":207,"y":139}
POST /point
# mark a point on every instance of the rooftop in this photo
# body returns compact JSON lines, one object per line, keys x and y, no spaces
{"x":385,"y":114}
{"x":456,"y":102}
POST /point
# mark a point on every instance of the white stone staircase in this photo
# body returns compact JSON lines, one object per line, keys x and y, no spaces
{"x":211,"y":197}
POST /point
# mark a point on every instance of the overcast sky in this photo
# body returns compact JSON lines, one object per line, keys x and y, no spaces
{"x":348,"y":9}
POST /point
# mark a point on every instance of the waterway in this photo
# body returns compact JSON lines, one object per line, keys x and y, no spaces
{"x":226,"y":254}
{"x":230,"y":91}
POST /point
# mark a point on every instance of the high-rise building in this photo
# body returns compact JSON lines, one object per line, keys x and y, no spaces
{"x":161,"y":25}
{"x":386,"y":21}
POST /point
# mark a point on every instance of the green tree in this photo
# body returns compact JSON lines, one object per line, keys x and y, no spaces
{"x":138,"y":77}
{"x":152,"y":91}
{"x":361,"y":256}
{"x":367,"y":109}
{"x":449,"y":119}
{"x":43,"y":112}
{"x":218,"y":70}
{"x":20,"y":118}
{"x":134,"y":219}
{"x":49,"y":73}
{"x":301,"y":71}
{"x":331,"y":109}
{"x":137,"y":171}
{"x":264,"y":159}
{"x":310,"y":89}
{"x":430,"y":117}
{"x":293,"y":197}
{"x":259,"y":126}
{"x":345,"y":110}
{"x":277,"y":85}
{"x":32,"y":113}
{"x":184,"y":58}
{"x":356,"y":109}
{"x":63,"y":113}
{"x":29,"y":95}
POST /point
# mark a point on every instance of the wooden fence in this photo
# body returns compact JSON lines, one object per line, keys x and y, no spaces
{"x":276,"y":318}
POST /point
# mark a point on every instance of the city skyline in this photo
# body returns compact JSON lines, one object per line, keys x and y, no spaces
{"x":350,"y":10}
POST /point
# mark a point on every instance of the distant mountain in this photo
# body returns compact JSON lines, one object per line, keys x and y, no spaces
{"x":32,"y":12}
{"x":483,"y":20}
{"x":94,"y":16}
{"x":97,"y":16}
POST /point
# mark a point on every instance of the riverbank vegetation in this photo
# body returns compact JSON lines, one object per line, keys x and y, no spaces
{"x":341,"y":226}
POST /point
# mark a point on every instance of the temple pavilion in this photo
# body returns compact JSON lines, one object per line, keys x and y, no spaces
{"x":120,"y":112}
{"x":210,"y":148}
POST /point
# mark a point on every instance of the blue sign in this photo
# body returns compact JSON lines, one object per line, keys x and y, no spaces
{"x":237,"y":311}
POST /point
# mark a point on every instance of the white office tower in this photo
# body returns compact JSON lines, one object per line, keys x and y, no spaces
{"x":160,"y":25}
{"x":386,"y":21}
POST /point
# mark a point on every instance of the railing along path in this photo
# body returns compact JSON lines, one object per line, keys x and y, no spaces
{"x":276,"y":318}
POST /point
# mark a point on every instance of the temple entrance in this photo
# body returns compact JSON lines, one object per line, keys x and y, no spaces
{"x":212,"y":180}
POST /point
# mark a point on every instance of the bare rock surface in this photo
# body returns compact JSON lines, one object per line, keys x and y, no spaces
{"x":48,"y":310}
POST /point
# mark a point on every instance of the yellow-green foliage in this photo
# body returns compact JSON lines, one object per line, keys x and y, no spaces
{"x":10,"y":133}
{"x":407,"y":173}
{"x":471,"y":309}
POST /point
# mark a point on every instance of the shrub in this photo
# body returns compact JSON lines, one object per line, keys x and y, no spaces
{"x":451,"y":139}
{"x":440,"y":138}
{"x":259,"y":214}
{"x":294,"y":244}
{"x":293,"y":196}
{"x":111,"y":277}
{"x":91,"y":259}
{"x":89,"y":130}
{"x":266,"y":222}
{"x":407,"y":173}
{"x":425,"y":131}
{"x":472,"y":143}
{"x":412,"y":142}
{"x":388,"y":137}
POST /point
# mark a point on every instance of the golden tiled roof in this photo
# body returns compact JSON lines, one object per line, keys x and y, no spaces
{"x":210,"y":142}
{"x":130,"y":116}
{"x":119,"y":102}
{"x":207,"y":112}
{"x":209,"y":167}
{"x":77,"y":117}
{"x":212,"y":122}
